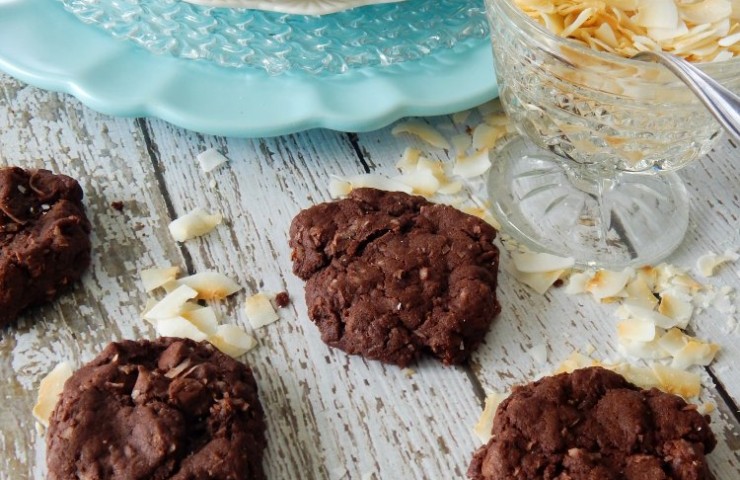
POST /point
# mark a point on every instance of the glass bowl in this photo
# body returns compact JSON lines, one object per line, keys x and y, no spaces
{"x":592,"y":175}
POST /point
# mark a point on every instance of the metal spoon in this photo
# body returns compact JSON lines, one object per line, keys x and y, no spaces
{"x":721,"y":102}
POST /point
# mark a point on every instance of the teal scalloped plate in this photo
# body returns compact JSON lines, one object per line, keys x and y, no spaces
{"x":46,"y":46}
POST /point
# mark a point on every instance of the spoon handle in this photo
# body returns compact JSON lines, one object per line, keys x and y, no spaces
{"x":721,"y":102}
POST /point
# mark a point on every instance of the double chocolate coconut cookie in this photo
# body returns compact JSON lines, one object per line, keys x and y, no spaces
{"x":391,"y":276}
{"x":152,"y":410}
{"x":594,"y":425}
{"x":44,"y":238}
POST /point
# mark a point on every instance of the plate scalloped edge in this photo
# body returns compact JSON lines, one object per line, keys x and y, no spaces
{"x":117,"y":78}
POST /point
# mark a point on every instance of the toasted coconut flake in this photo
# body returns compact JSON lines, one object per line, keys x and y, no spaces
{"x":194,"y":224}
{"x":171,"y":304}
{"x":705,"y":11}
{"x":458,"y":118}
{"x":50,"y":388}
{"x":486,"y":136}
{"x":232,"y":340}
{"x":211,"y":159}
{"x":607,"y":283}
{"x":680,"y":382}
{"x":484,"y":427}
{"x":204,"y":318}
{"x":706,"y":264}
{"x":575,"y":361}
{"x":645,"y":350}
{"x":179,"y":327}
{"x":339,"y":187}
{"x":408,"y":161}
{"x":695,"y":352}
{"x":691,"y":29}
{"x":422,"y":130}
{"x":676,"y":308}
{"x":633,"y":330}
{"x":539,"y":282}
{"x":533,"y":262}
{"x":450,"y":188}
{"x":639,"y":293}
{"x":657,"y":14}
{"x":673,"y":341}
{"x":643,"y":377}
{"x":578,"y":282}
{"x":211,"y":285}
{"x":378,"y":182}
{"x":153,"y":278}
{"x":461,"y":143}
{"x":637,"y":311}
{"x":472,"y":166}
{"x":259,"y":310}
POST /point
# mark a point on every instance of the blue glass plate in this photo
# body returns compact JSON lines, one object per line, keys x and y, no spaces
{"x":45,"y":45}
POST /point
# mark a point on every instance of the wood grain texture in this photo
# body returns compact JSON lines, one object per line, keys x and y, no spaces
{"x":108,"y":156}
{"x":330,"y":416}
{"x":567,"y":323}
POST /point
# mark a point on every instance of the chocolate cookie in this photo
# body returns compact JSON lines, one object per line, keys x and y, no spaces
{"x":390,"y":276}
{"x":44,"y":238}
{"x":594,"y":425}
{"x":164,"y":409}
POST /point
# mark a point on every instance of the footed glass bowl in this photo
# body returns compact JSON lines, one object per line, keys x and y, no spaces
{"x":592,"y":176}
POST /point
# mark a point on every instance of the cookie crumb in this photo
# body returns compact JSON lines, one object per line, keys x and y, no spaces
{"x":117,"y":205}
{"x":282,"y":299}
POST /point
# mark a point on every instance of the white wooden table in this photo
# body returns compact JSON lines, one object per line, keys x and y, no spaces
{"x":329,"y":416}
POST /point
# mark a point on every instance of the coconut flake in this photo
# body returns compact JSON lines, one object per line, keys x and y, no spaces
{"x":50,"y":388}
{"x":179,"y":327}
{"x":680,"y":382}
{"x":633,"y":330}
{"x":408,"y":161}
{"x":676,"y":307}
{"x":484,"y":427}
{"x":211,"y":285}
{"x":210,"y":159}
{"x":607,"y":283}
{"x":637,"y":311}
{"x":259,"y":310}
{"x":153,"y":278}
{"x":695,"y":352}
{"x":339,"y":187}
{"x":706,"y":264}
{"x":638,"y":292}
{"x":204,"y":318}
{"x":422,"y":130}
{"x":472,"y":166}
{"x":578,"y":282}
{"x":194,"y":224}
{"x":232,"y":340}
{"x":532,"y":262}
{"x":171,"y":304}
{"x":379,"y":182}
{"x":540,"y":282}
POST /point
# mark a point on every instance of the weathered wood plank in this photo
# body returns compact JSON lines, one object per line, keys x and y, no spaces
{"x":108,"y":156}
{"x":575,"y":323}
{"x":330,"y":416}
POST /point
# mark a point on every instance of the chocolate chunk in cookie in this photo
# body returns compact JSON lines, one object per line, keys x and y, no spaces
{"x":390,"y":276}
{"x":164,"y":409}
{"x":594,"y":425}
{"x":44,"y":238}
